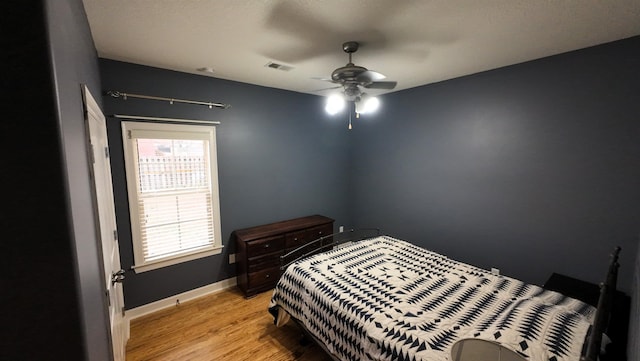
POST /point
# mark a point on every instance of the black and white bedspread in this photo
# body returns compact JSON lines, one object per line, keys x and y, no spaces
{"x":386,"y":299}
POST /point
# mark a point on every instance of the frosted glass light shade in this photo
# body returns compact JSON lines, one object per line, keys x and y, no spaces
{"x":335,"y":104}
{"x":367,"y":105}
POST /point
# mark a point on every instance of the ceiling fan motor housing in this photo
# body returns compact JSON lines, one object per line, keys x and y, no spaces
{"x":347,"y":73}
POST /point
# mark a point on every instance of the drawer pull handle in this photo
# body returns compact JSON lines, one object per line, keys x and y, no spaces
{"x":266,"y":245}
{"x":295,"y":239}
{"x":268,"y":276}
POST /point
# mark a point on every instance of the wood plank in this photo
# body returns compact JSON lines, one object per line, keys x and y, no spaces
{"x":222,"y":326}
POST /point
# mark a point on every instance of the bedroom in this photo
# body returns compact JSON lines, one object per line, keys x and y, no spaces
{"x":578,"y":183}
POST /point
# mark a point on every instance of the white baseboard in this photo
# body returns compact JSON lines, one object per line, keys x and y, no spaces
{"x":152,"y":307}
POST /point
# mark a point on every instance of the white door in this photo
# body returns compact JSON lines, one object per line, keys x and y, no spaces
{"x":106,"y":219}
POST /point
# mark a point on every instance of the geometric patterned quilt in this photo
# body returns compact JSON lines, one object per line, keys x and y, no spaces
{"x":386,"y":299}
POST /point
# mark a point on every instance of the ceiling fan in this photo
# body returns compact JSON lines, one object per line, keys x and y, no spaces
{"x":352,"y":77}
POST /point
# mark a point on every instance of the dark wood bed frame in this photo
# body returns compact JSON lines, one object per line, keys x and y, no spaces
{"x":603,"y":310}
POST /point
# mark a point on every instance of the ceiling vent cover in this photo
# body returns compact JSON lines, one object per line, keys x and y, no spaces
{"x":278,"y":66}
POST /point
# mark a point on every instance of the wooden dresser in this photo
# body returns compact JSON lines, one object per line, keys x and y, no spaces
{"x":258,"y":249}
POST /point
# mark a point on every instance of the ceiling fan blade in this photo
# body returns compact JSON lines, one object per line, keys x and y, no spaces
{"x":323,"y":79}
{"x":323,"y":89}
{"x":369,"y":76}
{"x":382,"y":85}
{"x":307,"y":32}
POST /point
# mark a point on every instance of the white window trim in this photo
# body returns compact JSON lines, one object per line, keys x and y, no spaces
{"x":132,"y":181}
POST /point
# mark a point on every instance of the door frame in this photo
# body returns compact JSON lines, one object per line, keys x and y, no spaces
{"x":106,"y":227}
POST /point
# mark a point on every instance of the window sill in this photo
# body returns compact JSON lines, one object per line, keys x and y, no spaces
{"x":176,"y":260}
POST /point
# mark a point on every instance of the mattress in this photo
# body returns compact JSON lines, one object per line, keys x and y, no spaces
{"x":386,"y":299}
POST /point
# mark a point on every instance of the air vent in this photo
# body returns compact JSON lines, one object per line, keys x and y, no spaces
{"x":206,"y":69}
{"x":282,"y":67}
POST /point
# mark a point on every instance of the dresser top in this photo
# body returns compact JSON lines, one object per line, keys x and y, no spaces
{"x":290,"y":225}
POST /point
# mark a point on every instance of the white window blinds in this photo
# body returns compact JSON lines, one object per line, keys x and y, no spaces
{"x":173,"y":198}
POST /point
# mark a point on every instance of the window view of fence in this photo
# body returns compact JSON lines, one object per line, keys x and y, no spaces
{"x":171,"y":164}
{"x":158,"y":173}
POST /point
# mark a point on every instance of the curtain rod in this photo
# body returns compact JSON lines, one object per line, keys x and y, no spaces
{"x":118,"y":94}
{"x":172,"y":120}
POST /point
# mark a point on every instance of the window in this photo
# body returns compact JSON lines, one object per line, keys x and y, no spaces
{"x":172,"y":182}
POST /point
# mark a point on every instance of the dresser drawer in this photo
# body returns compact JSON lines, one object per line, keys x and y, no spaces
{"x":266,"y":276}
{"x":321,"y":231}
{"x":297,"y":239}
{"x":264,"y":262}
{"x":265,"y":246}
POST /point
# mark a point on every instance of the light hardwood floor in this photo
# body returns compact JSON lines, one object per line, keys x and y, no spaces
{"x":222,"y":326}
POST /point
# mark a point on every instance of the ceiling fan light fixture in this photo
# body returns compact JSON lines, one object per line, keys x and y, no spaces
{"x":367,"y":104}
{"x":335,"y":104}
{"x":353,"y":78}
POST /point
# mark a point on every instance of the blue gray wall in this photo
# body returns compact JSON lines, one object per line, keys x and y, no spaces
{"x":53,"y":304}
{"x":532,"y":168}
{"x":74,"y":62}
{"x":279,"y":157}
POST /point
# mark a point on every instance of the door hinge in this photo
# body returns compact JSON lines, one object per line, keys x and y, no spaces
{"x":106,"y":152}
{"x":115,"y":235}
{"x":108,"y":298}
{"x":129,"y":134}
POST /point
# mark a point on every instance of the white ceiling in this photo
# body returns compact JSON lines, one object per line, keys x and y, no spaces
{"x":412,"y":42}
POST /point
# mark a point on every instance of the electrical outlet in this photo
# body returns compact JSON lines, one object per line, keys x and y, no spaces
{"x":341,"y":229}
{"x":495,"y":271}
{"x":232,"y":258}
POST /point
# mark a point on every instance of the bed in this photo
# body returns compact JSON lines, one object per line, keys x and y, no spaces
{"x":381,"y":298}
